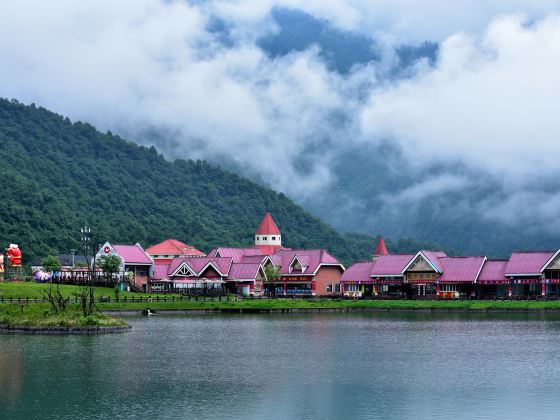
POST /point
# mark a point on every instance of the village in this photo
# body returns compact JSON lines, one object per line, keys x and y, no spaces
{"x":268,"y":269}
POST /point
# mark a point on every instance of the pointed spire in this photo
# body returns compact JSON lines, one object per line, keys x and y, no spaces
{"x":268,"y":226}
{"x":381,"y":248}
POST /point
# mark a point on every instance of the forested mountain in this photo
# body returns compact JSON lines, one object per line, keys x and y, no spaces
{"x":58,"y":176}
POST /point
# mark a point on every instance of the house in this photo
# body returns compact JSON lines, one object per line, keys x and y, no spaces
{"x":312,"y":272}
{"x":165,"y":251}
{"x":136,"y":264}
{"x":303,"y":272}
{"x":223,"y":274}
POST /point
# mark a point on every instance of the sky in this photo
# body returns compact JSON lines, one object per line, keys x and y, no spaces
{"x":155,"y":72}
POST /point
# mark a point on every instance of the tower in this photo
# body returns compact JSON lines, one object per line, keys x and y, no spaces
{"x":268,"y":234}
{"x":380,"y":249}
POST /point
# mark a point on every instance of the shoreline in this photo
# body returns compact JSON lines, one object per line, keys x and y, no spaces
{"x":199,"y":311}
{"x":28,"y":330}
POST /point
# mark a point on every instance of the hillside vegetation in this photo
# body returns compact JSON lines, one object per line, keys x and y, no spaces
{"x":59,"y":175}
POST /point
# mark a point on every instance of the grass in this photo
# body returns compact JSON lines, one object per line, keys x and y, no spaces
{"x":39,"y":316}
{"x":31,"y":290}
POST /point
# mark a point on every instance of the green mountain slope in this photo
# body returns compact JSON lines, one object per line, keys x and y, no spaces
{"x":57,"y":176}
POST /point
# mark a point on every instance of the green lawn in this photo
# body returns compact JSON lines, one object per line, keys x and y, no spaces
{"x":32,"y":290}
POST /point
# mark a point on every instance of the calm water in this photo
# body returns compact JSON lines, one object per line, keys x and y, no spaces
{"x":387,"y":366}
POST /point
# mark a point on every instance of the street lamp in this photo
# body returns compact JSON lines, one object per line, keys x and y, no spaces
{"x":86,"y":238}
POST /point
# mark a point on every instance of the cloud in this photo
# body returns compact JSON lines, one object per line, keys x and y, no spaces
{"x":490,"y":104}
{"x":139,"y":67}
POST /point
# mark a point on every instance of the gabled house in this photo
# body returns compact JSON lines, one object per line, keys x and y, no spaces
{"x":165,"y":251}
{"x":136,"y":264}
{"x":204,"y":273}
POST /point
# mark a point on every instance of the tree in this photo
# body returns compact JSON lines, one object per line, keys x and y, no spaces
{"x":110,"y":264}
{"x":51,"y":263}
{"x":272,"y":275}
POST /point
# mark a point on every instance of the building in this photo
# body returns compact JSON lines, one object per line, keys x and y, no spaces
{"x":165,"y":251}
{"x":303,"y":272}
{"x":203,"y":274}
{"x":268,"y":238}
{"x":136,"y":265}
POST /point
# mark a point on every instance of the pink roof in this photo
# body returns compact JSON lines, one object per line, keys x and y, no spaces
{"x":173,"y":247}
{"x":360,"y":271}
{"x":434,"y":257}
{"x":244,"y":271}
{"x":527,"y":262}
{"x":160,"y":271}
{"x":255,"y":259}
{"x":236,"y":253}
{"x":493,"y":271}
{"x":460,"y":268}
{"x":196,"y":264}
{"x":313,"y":258}
{"x":381,"y":248}
{"x":268,"y":226}
{"x":132,"y":254}
{"x":390,"y":265}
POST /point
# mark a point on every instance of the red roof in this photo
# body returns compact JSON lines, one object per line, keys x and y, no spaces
{"x":173,"y":247}
{"x":527,"y":262}
{"x":269,"y":249}
{"x":132,"y":254}
{"x":267,"y":226}
{"x":381,"y":248}
{"x":493,"y":271}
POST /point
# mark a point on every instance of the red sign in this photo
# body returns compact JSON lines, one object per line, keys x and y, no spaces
{"x":106,"y":250}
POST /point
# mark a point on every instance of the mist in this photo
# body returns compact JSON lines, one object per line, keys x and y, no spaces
{"x":478,"y":117}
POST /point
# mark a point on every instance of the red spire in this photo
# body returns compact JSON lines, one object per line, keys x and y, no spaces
{"x":267,"y":226}
{"x":381,"y":248}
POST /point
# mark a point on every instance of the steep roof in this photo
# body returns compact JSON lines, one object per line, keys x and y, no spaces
{"x":268,"y":226}
{"x":173,"y":247}
{"x":132,"y":254}
{"x":360,"y":271}
{"x":311,"y":258}
{"x":391,"y":265}
{"x":527,"y":262}
{"x":197,"y":264}
{"x":460,"y":268}
{"x":381,"y":248}
{"x":493,"y":270}
{"x":434,"y":257}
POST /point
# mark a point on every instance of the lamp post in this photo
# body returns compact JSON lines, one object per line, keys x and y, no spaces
{"x":73,"y":252}
{"x":86,"y":238}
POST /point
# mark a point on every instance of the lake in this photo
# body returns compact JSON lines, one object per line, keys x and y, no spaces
{"x":376,"y":365}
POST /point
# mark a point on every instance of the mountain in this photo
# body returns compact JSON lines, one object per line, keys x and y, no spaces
{"x":60,"y":175}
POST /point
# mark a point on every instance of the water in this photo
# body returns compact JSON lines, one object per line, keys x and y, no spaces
{"x":386,"y":366}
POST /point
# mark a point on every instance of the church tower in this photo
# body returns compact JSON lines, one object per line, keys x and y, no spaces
{"x":380,"y":249}
{"x":268,"y":235}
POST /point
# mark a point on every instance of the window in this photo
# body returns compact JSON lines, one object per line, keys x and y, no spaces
{"x":448,"y":288}
{"x":273,"y":238}
{"x":264,"y":238}
{"x":329,"y":288}
{"x":337,"y":287}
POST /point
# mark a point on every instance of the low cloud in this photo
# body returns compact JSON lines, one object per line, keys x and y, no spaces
{"x":139,"y":67}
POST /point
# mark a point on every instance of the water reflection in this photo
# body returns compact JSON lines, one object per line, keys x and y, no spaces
{"x":378,"y":365}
